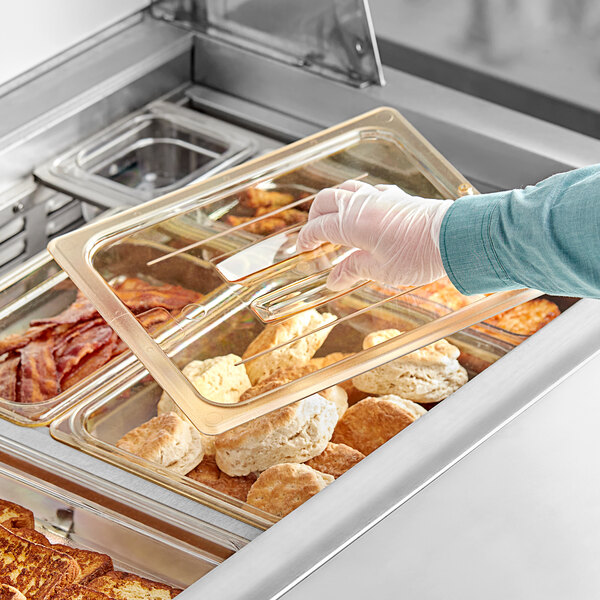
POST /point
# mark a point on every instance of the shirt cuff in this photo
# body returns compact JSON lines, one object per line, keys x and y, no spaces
{"x":467,"y":247}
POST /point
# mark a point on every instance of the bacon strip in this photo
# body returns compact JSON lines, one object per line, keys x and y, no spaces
{"x":171,"y":297}
{"x":37,"y":372}
{"x":80,"y":345}
{"x":81,"y":310}
{"x":18,"y":340}
{"x":90,"y":363}
{"x":8,"y":379}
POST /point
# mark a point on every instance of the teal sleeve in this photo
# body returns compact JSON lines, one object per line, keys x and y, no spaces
{"x":545,"y":237}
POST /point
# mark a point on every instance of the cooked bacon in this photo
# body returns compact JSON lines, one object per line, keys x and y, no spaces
{"x":8,"y":378}
{"x":81,"y":310}
{"x":64,"y":338}
{"x":37,"y":372}
{"x":151,"y":319}
{"x":90,"y":363}
{"x":82,"y":344}
{"x":170,"y":297}
{"x":18,"y":340}
{"x":57,"y":352}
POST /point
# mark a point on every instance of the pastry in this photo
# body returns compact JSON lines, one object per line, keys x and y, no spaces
{"x":336,"y":459}
{"x":291,"y":355}
{"x":217,"y":379}
{"x":429,"y":374}
{"x":336,"y":394}
{"x":283,"y":488}
{"x":373,"y":421}
{"x":167,"y":440}
{"x":209,"y":474}
{"x":294,"y":433}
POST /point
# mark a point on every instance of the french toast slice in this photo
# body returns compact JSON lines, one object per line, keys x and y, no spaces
{"x":123,"y":586}
{"x":15,"y":516}
{"x":8,"y":592}
{"x":91,"y":564}
{"x":79,"y":592}
{"x":31,"y":535}
{"x":37,"y":571}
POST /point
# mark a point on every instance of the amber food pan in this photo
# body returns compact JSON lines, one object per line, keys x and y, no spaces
{"x":130,"y":398}
{"x":40,"y":289}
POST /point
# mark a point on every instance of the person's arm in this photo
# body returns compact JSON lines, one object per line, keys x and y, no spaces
{"x":545,"y":237}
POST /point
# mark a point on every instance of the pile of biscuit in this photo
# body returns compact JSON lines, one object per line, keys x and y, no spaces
{"x":278,"y":461}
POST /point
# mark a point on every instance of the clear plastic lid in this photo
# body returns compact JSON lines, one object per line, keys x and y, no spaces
{"x":244,"y":224}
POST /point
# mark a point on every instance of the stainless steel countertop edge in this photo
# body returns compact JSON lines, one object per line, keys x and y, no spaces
{"x":318,"y":530}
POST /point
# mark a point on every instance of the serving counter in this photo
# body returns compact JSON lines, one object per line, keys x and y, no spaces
{"x":458,"y":500}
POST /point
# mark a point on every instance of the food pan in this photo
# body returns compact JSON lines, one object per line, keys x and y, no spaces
{"x":175,"y":549}
{"x":131,"y":397}
{"x":40,"y":289}
{"x":157,"y":150}
{"x":379,"y":148}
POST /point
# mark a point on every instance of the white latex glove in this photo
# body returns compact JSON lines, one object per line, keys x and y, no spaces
{"x":397,"y":235}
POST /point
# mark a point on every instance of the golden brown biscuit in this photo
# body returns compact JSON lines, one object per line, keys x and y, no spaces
{"x":353,"y":394}
{"x":294,"y":433}
{"x":429,"y":374}
{"x":217,"y":379}
{"x":208,"y":473}
{"x":283,"y":488}
{"x":373,"y":421}
{"x":336,"y":459}
{"x":167,"y":440}
{"x":291,"y":355}
{"x":335,"y":394}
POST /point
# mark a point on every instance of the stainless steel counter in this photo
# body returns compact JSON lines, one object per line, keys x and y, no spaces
{"x":391,"y":524}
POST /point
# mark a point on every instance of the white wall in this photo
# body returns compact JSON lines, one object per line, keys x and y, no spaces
{"x":32,"y":31}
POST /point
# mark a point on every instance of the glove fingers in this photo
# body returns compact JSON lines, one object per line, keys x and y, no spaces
{"x":358,"y":266}
{"x":320,"y":230}
{"x":328,"y":200}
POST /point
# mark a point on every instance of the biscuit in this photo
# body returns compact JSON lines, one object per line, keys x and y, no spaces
{"x":283,"y":488}
{"x":209,"y":474}
{"x":290,"y":355}
{"x":429,"y":374}
{"x":354,"y":395}
{"x":373,"y":421}
{"x":294,"y":433}
{"x":217,"y":379}
{"x":336,"y":459}
{"x":167,"y":440}
{"x":336,"y":394}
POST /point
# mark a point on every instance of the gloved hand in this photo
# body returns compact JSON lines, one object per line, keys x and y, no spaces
{"x":397,"y":235}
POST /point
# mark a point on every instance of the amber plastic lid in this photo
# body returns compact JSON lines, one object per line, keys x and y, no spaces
{"x":244,"y":224}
